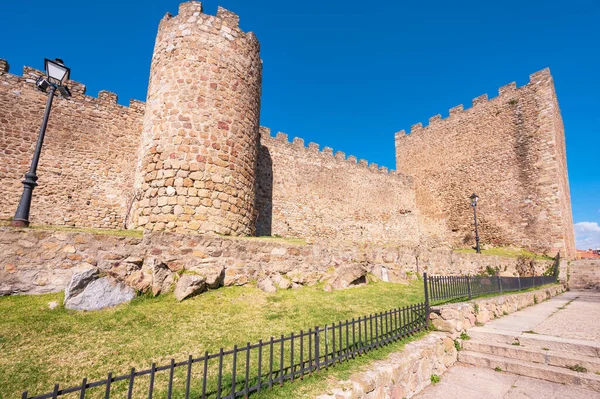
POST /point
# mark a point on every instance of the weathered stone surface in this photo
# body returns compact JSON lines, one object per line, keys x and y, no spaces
{"x":348,"y":275}
{"x":266,"y":285}
{"x":403,"y":373}
{"x":99,"y":294}
{"x":189,"y":285}
{"x":32,"y":268}
{"x":79,"y":281}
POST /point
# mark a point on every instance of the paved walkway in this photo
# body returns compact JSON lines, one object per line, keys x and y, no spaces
{"x":573,"y":315}
{"x":470,"y":382}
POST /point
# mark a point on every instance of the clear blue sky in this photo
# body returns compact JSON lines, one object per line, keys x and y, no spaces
{"x":348,"y":74}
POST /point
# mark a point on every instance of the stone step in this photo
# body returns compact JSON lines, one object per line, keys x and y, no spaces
{"x":536,"y":355}
{"x":536,"y":341}
{"x":534,"y":370}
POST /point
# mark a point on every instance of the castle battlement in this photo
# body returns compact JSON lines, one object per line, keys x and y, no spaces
{"x":191,"y":17}
{"x":506,"y":92}
{"x":327,"y":152}
{"x":77,"y":89}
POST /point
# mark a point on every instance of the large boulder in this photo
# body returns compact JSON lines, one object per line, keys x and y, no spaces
{"x":189,"y":284}
{"x":98,"y":294}
{"x":347,"y":275}
{"x":79,"y":280}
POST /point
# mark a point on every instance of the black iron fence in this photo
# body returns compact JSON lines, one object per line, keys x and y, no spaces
{"x":445,"y":288}
{"x":238,"y":372}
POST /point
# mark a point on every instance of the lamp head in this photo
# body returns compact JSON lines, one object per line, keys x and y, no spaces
{"x":474,"y":198}
{"x":56,"y":71}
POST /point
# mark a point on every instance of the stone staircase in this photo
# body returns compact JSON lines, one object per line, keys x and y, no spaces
{"x":585,"y":275}
{"x":539,"y":356}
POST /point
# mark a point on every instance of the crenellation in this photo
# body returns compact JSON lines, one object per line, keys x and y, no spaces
{"x":328,"y":151}
{"x":363,"y":163}
{"x":137,"y":106}
{"x":264,"y":132}
{"x":509,"y":88}
{"x":384,"y":169}
{"x":435,"y":119}
{"x":340,"y":155}
{"x":374,"y":166}
{"x":480,"y":100}
{"x":298,"y":142}
{"x":190,"y":9}
{"x":107,"y":97}
{"x":313,"y":147}
{"x":416,"y":128}
{"x":4,"y":66}
{"x":455,"y":110}
{"x":230,"y":19}
{"x":538,"y":76}
{"x":352,"y":159}
{"x":282,"y":137}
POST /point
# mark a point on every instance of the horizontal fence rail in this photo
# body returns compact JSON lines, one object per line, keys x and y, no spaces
{"x":446,"y":288}
{"x":250,"y":368}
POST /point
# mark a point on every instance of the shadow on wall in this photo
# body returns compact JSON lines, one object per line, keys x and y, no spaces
{"x":264,"y":192}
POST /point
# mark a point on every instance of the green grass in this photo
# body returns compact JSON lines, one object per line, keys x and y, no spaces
{"x":506,"y":252}
{"x":41,"y":347}
{"x":72,"y":229}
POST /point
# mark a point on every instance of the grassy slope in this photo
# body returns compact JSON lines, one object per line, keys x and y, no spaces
{"x":40,"y":346}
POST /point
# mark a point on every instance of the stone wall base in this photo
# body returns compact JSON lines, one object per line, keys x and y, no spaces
{"x":404,"y":374}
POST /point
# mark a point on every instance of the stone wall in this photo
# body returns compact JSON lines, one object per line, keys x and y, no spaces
{"x":458,"y":317}
{"x":85,"y":171}
{"x":305,"y":192}
{"x":197,"y":163}
{"x":39,"y":261}
{"x":407,"y":372}
{"x":403,"y":374}
{"x":510,"y":150}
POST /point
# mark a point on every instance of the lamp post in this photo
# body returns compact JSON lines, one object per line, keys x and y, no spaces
{"x":56,"y":75}
{"x":474,"y":198}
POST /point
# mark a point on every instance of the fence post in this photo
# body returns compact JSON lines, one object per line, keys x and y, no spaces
{"x":469,"y":287}
{"x":499,"y":284}
{"x":317,"y":355}
{"x":426,"y":300}
{"x":519,"y":280}
{"x":556,"y":265}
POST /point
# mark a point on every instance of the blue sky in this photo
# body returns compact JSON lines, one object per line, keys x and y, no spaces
{"x":348,"y":74}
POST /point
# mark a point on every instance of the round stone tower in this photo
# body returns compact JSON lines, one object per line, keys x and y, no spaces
{"x":197,"y":161}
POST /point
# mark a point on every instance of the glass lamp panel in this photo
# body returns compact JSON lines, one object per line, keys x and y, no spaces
{"x":56,"y":71}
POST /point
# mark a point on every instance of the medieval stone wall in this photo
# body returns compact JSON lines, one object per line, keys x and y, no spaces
{"x":85,"y":170}
{"x":197,"y":160}
{"x":40,"y":261}
{"x":304,"y":192}
{"x":510,"y":150}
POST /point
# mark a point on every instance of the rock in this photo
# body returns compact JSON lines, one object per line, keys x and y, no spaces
{"x":140,"y":280}
{"x":348,"y":275}
{"x":162,"y":277}
{"x":281,"y":281}
{"x":52,"y":305}
{"x":215,"y":275}
{"x":189,"y":285}
{"x":79,"y":281}
{"x":99,"y":294}
{"x":266,"y":285}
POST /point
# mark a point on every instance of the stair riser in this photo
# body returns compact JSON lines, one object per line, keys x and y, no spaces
{"x":531,"y":371}
{"x":545,"y":357}
{"x":578,"y":349}
{"x":536,"y":343}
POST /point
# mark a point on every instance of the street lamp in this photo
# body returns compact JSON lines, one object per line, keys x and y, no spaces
{"x":56,"y":76}
{"x":474,"y":198}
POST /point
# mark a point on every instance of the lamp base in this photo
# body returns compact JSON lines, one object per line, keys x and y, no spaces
{"x":19,"y":223}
